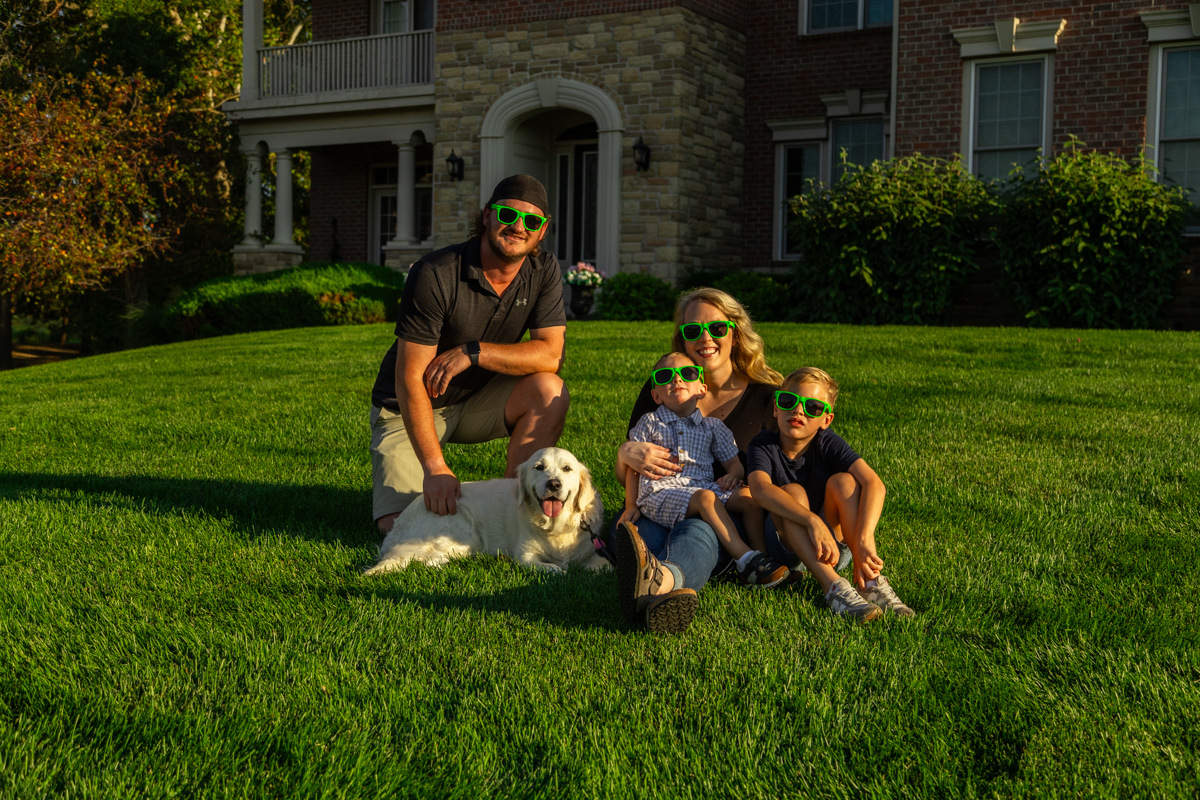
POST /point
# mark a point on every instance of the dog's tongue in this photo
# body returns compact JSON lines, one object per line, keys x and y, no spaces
{"x":552,"y":507}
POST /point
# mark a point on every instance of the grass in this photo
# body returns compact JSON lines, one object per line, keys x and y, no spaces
{"x":182,"y":613}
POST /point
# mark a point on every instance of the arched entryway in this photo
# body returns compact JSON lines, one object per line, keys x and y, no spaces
{"x":568,"y":135}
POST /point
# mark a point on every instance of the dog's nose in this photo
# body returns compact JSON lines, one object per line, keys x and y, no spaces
{"x":554,"y":484}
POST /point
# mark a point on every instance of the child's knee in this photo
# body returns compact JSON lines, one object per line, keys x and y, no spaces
{"x":798,"y":494}
{"x":842,"y":486}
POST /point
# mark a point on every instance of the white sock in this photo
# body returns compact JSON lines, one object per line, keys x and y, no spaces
{"x":745,"y":559}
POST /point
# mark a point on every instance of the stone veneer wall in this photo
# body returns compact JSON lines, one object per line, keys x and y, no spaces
{"x":676,"y":77}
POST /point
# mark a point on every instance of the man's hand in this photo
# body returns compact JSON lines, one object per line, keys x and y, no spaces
{"x":629,"y":515}
{"x":823,"y":543}
{"x":441,"y":493}
{"x":442,"y":368}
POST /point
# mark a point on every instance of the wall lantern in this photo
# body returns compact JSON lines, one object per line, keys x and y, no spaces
{"x":454,"y":164}
{"x":641,"y":155}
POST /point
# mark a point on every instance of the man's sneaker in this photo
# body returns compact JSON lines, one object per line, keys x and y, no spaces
{"x":883,"y":595}
{"x":670,"y":612}
{"x":763,"y":571}
{"x":845,"y":601}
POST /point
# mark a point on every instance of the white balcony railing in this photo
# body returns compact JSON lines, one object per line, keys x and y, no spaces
{"x":340,"y":65}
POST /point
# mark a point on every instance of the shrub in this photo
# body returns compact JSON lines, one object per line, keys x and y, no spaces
{"x":888,"y":243}
{"x":1090,"y":239}
{"x":309,"y":295}
{"x":635,"y":296}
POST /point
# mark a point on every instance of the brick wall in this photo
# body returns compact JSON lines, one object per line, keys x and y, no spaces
{"x":676,"y":78}
{"x":340,"y":19}
{"x":341,"y":189}
{"x":479,"y":14}
{"x":1100,"y":71}
{"x":786,"y":74}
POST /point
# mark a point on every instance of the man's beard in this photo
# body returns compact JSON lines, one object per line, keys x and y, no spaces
{"x":496,"y":242}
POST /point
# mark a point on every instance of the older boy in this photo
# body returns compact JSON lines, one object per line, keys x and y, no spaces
{"x":811,"y":481}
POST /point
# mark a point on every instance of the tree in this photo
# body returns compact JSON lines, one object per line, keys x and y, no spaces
{"x":85,"y":183}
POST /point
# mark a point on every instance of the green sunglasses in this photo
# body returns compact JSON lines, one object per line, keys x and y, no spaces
{"x":509,"y":216}
{"x":665,"y":375}
{"x":811,"y":406}
{"x":717,"y":329}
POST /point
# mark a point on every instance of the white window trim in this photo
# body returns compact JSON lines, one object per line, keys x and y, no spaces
{"x":861,"y":25}
{"x":377,"y":18}
{"x":970,"y":76}
{"x":785,"y":133}
{"x":1165,"y":30}
{"x":1009,"y":36}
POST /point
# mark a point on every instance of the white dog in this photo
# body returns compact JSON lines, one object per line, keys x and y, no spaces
{"x":544,"y":518}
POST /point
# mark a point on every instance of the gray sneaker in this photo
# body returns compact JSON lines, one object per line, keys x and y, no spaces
{"x":883,"y":595}
{"x":844,"y":600}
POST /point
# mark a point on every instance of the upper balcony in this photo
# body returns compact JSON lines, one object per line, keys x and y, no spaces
{"x":345,"y":65}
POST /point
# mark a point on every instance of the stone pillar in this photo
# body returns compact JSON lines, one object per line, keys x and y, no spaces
{"x":253,"y":224}
{"x":406,"y":204}
{"x":283,"y":198}
{"x":252,"y":40}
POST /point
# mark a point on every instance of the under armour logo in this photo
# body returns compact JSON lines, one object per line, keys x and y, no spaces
{"x":522,"y":302}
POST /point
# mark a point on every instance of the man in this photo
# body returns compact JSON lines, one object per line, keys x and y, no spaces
{"x":459,"y":371}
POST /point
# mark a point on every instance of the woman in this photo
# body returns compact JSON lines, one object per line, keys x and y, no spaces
{"x":659,"y":571}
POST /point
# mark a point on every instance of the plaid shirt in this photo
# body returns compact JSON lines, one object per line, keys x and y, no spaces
{"x":697,"y":441}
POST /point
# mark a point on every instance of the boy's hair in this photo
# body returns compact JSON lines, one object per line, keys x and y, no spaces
{"x":682,"y":355}
{"x":814,"y":375}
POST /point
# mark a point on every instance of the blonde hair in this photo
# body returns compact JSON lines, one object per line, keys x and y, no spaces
{"x":747,"y":355}
{"x":814,"y":375}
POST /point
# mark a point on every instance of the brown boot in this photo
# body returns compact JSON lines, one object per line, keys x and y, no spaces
{"x":640,"y":577}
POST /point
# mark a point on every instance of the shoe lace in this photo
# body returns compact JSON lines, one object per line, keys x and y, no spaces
{"x":886,"y":591}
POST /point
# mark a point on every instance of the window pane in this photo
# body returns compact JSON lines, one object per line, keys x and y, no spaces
{"x":1008,"y":116}
{"x":862,"y":141}
{"x":996,"y":164}
{"x":395,"y":16}
{"x":1181,"y":95}
{"x":879,"y":12}
{"x":1181,"y":165}
{"x":801,"y":168}
{"x":828,"y":14}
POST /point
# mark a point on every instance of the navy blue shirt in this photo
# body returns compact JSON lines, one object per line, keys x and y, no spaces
{"x":826,"y":456}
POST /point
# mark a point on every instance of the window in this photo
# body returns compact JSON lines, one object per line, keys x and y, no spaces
{"x":1008,"y":116}
{"x":1179,"y":131}
{"x":841,"y":15}
{"x":799,"y":169}
{"x":402,"y":16}
{"x":861,"y":139}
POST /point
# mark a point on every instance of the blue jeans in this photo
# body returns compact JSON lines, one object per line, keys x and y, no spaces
{"x":691,"y":546}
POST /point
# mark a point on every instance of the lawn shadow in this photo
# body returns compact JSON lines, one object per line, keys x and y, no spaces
{"x":580,"y":600}
{"x":317,"y":513}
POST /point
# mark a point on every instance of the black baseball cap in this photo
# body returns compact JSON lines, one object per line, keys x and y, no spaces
{"x":525,"y":188}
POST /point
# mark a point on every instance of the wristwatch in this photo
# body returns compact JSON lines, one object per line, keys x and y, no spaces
{"x":473,"y":352}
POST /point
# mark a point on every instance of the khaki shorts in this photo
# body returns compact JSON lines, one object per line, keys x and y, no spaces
{"x":395,"y":470}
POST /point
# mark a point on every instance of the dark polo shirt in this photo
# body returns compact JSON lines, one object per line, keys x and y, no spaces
{"x":447,"y":302}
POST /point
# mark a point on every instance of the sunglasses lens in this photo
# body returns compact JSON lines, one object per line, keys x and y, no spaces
{"x":505,"y":215}
{"x":786,"y":400}
{"x":533,"y":222}
{"x":814,"y":408}
{"x":663,"y":376}
{"x":718,"y":330}
{"x":689,"y":374}
{"x":691,"y":332}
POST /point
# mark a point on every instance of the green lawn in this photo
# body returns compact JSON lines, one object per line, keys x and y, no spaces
{"x":182,"y":531}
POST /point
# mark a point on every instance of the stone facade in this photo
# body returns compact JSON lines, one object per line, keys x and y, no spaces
{"x":677,"y":79}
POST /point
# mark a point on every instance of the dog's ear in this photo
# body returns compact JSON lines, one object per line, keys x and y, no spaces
{"x":522,"y":489}
{"x":588,"y":502}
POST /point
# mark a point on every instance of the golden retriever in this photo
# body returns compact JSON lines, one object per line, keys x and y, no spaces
{"x":544,"y":518}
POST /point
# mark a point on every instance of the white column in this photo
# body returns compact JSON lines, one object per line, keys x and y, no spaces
{"x":406,"y":204}
{"x":252,"y":40}
{"x":283,"y":198}
{"x":253,"y":224}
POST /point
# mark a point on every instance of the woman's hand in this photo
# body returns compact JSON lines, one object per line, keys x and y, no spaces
{"x":649,"y":460}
